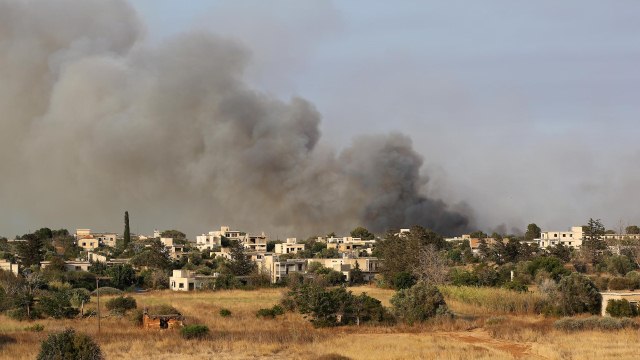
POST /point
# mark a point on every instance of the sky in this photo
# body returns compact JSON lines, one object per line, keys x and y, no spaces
{"x":524,"y":110}
{"x":521,"y":111}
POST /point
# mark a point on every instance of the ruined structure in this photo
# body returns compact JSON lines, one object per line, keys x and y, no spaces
{"x":153,"y":321}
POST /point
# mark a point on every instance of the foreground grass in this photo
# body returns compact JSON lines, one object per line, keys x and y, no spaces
{"x":243,"y":336}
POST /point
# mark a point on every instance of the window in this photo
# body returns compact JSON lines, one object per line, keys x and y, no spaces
{"x":564,"y":235}
{"x":181,"y":286}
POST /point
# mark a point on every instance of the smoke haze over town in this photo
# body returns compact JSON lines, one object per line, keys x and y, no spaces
{"x":317,"y":117}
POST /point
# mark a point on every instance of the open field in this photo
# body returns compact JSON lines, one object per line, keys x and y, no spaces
{"x":478,"y":334}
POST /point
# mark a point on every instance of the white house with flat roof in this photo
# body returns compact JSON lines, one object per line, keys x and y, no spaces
{"x":571,"y":238}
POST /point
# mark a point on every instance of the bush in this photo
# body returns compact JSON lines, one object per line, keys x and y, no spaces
{"x":403,"y":280}
{"x":34,"y":328}
{"x":136,"y":317}
{"x":602,"y":283}
{"x":163,"y":309}
{"x":120,"y":304}
{"x":106,"y":291}
{"x":594,"y":323}
{"x":619,"y":283}
{"x":69,"y":345}
{"x":516,"y":286}
{"x":57,"y":305}
{"x":577,"y":294}
{"x":621,"y":308}
{"x":270,"y":312}
{"x":20,"y":314}
{"x":80,"y":296}
{"x":194,"y":331}
{"x":225,"y":312}
{"x":418,"y":303}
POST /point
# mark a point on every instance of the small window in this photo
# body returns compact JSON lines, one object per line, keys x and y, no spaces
{"x":181,"y":286}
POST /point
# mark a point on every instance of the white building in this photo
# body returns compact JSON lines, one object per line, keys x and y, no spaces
{"x":214,"y":239}
{"x":9,"y":266}
{"x":290,"y":247}
{"x":187,"y":280}
{"x":571,"y":238}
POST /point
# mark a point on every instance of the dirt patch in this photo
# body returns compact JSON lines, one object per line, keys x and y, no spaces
{"x":479,"y":337}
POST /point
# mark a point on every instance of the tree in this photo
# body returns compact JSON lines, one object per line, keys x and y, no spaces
{"x":127,"y":232}
{"x":533,"y":232}
{"x":577,"y":294}
{"x":240,"y":264}
{"x":362,"y":233}
{"x":175,"y":234}
{"x":31,"y":251}
{"x":632,"y":230}
{"x":356,"y":275}
{"x":122,"y":276}
{"x":592,"y":240}
{"x":154,"y":256}
{"x":478,"y":235}
{"x":418,"y":303}
{"x":432,"y":267}
{"x":483,"y":248}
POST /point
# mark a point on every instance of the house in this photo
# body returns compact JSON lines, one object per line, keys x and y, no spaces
{"x":350,"y":244}
{"x":255,"y":242}
{"x":474,"y":243}
{"x":176,"y":251}
{"x":184,"y":280}
{"x":88,"y":243}
{"x":368,"y":265}
{"x":571,"y":238}
{"x":280,"y":269}
{"x":632,"y":296}
{"x":107,"y":239}
{"x":289,"y":247}
{"x":9,"y":266}
{"x":70,"y":265}
{"x":214,"y":238}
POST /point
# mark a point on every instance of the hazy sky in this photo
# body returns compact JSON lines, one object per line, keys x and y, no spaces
{"x":528,"y":111}
{"x":523,"y":111}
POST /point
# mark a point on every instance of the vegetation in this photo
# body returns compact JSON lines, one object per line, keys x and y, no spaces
{"x":225,"y":312}
{"x":418,"y":303}
{"x":621,"y":308}
{"x":194,"y":331}
{"x":121,"y":304}
{"x":271,"y":312}
{"x":69,"y":345}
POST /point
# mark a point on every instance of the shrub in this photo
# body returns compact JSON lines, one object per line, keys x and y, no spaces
{"x":594,"y":323}
{"x":106,"y":291}
{"x":418,"y":303}
{"x":57,"y":305}
{"x":80,"y":296}
{"x":120,"y":304}
{"x":69,"y":345}
{"x":194,"y":331}
{"x":602,"y":283}
{"x":495,"y":299}
{"x":34,"y":328}
{"x":163,"y":309}
{"x":21,"y":314}
{"x":516,"y":286}
{"x":619,"y":283}
{"x":270,"y":312}
{"x":136,"y":317}
{"x":225,"y":312}
{"x":577,"y":294}
{"x":621,"y":308}
{"x":403,"y":280}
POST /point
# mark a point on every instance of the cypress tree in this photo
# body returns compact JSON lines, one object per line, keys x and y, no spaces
{"x":127,"y":232}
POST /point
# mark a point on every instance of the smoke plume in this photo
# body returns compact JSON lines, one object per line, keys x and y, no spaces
{"x":95,"y":121}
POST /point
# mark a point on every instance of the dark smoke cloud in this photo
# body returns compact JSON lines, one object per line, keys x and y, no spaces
{"x":95,"y":121}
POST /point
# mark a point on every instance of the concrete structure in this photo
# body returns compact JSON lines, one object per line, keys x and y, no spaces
{"x":368,"y":265}
{"x":459,"y":238}
{"x":88,"y":243}
{"x":571,"y":238}
{"x":184,"y":280}
{"x":171,"y":321}
{"x":71,"y":265}
{"x":9,"y":266}
{"x":632,"y":296}
{"x":107,"y":239}
{"x":214,"y":238}
{"x":282,"y":269}
{"x":255,"y":242}
{"x":290,"y":247}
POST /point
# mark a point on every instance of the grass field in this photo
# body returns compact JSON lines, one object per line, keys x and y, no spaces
{"x":481,"y":333}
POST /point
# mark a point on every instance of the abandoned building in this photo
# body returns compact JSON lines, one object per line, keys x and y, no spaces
{"x":153,"y":321}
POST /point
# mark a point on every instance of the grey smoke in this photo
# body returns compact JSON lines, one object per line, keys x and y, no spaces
{"x":95,"y":121}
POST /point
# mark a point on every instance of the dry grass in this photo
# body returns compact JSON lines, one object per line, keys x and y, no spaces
{"x":243,"y":336}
